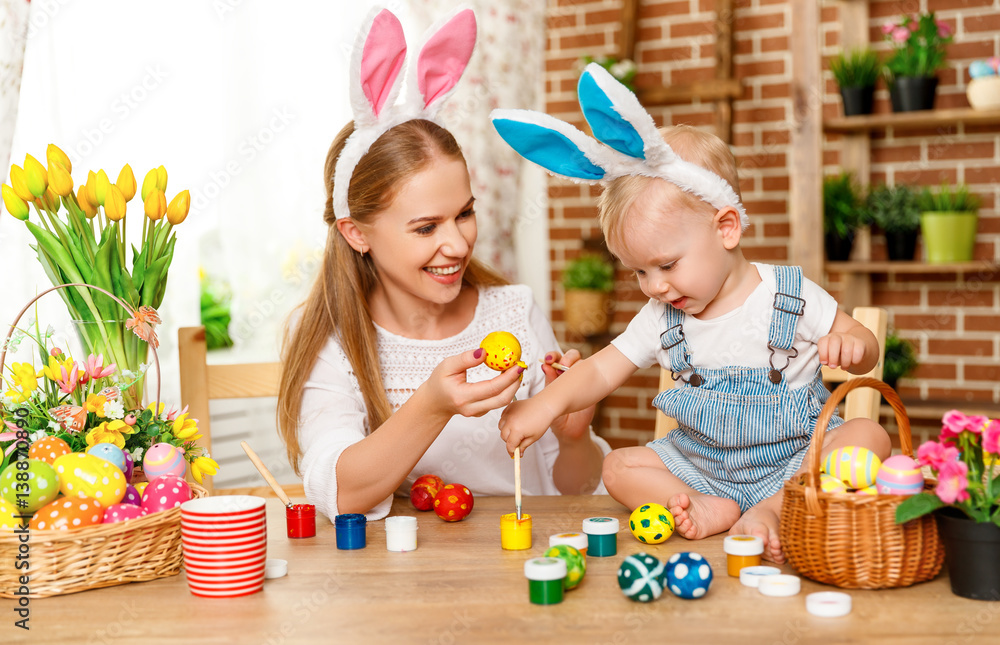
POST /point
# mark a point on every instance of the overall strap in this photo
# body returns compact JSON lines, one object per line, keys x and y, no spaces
{"x":675,"y":343}
{"x":788,"y":308}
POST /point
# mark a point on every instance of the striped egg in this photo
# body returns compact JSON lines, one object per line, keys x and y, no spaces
{"x":854,"y":465}
{"x":164,"y":459}
{"x":867,"y":490}
{"x":899,"y":475}
{"x":831,"y":484}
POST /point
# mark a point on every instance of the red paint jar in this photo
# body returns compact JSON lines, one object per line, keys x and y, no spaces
{"x":301,"y":520}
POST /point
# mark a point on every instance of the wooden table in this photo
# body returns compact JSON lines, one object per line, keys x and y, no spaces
{"x":459,"y":586}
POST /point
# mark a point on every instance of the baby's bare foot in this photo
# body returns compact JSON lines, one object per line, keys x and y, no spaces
{"x":698,"y":516}
{"x":762,"y":521}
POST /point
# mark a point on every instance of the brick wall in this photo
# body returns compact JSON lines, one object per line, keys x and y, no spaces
{"x":951,"y":319}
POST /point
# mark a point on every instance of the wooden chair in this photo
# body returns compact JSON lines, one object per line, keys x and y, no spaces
{"x":201,"y":382}
{"x":863,"y":402}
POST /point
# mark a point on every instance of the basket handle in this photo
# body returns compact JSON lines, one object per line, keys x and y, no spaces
{"x":814,"y":456}
{"x":130,"y":310}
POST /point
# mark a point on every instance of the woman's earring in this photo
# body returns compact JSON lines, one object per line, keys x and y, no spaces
{"x":363,"y":250}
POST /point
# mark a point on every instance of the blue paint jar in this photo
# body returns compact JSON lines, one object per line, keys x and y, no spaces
{"x":350,"y":530}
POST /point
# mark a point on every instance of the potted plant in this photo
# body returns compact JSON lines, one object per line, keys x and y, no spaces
{"x":856,"y":72}
{"x":948,"y":219}
{"x":588,"y":281}
{"x":842,"y":215}
{"x":894,"y":209}
{"x":966,"y":502}
{"x":919,"y":43}
{"x":900,"y":359}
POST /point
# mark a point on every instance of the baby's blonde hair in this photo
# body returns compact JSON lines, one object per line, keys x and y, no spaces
{"x":691,"y":144}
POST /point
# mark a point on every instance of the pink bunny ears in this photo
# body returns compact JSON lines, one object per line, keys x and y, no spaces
{"x":375,"y":78}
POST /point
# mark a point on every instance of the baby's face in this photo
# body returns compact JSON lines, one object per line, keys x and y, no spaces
{"x":679,"y":256}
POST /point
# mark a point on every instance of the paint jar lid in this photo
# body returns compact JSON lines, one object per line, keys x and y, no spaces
{"x":401,"y":523}
{"x":275,"y":568}
{"x":829,"y":604}
{"x":743,"y":545}
{"x":600,"y":525}
{"x":780,"y":585}
{"x":751,"y":576}
{"x":346,"y":520}
{"x":576,"y":540}
{"x":545,"y":569}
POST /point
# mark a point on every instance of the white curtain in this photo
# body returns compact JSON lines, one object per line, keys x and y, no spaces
{"x":13,"y":34}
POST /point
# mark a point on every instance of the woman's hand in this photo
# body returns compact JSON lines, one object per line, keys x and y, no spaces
{"x":450,"y":393}
{"x":576,"y":425}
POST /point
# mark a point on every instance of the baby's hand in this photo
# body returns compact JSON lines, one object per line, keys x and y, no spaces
{"x":838,"y":349}
{"x":522,"y":424}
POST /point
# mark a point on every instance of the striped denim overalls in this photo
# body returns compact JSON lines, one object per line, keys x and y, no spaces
{"x":742,"y":432}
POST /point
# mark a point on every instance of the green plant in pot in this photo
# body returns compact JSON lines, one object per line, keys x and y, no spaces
{"x":911,"y":69}
{"x":856,"y":72}
{"x":842,"y":215}
{"x":588,"y":282}
{"x":895,"y":210}
{"x":949,"y":216}
{"x":900,"y":359}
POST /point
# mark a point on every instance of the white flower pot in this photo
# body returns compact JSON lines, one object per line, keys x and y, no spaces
{"x":984,"y":93}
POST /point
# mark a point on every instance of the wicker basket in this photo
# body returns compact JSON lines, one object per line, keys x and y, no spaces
{"x":851,"y":540}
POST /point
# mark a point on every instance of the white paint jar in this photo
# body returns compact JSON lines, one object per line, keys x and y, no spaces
{"x":401,"y":533}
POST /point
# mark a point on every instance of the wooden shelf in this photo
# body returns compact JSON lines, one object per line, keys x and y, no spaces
{"x":911,"y":120}
{"x":706,"y":91}
{"x":935,"y":409}
{"x":911,"y":267}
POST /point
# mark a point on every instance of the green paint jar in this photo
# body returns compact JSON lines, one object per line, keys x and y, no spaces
{"x":545,"y":580}
{"x":602,"y":536}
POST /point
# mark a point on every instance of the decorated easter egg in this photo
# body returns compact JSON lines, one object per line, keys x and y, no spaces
{"x":122,"y":512}
{"x":641,"y":577}
{"x":853,"y":465}
{"x":129,"y":467}
{"x":48,"y":449}
{"x":84,"y":475}
{"x":140,"y":487}
{"x":67,"y":513}
{"x":109,"y":452}
{"x":867,"y":490}
{"x":831,"y":484}
{"x":981,"y":68}
{"x":688,"y":575}
{"x":165,"y":492}
{"x":576,"y":565}
{"x":503,"y":351}
{"x":29,"y":487}
{"x":651,"y":523}
{"x":132,"y":496}
{"x":899,"y":475}
{"x":423,"y":490}
{"x":164,"y":459}
{"x":10,"y":517}
{"x":994,"y":62}
{"x":453,"y":502}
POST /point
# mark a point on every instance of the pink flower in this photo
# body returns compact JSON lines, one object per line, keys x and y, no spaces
{"x":95,"y":367}
{"x":900,"y":34}
{"x":69,"y":380}
{"x":887,"y":28}
{"x":943,"y":29}
{"x":952,"y":424}
{"x":991,"y":438}
{"x":174,"y":413}
{"x":935,"y":454}
{"x":55,"y":351}
{"x":953,"y":482}
{"x":913,"y":23}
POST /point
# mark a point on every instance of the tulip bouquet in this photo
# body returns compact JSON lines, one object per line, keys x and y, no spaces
{"x":81,"y":238}
{"x":965,"y":459}
{"x":79,"y":404}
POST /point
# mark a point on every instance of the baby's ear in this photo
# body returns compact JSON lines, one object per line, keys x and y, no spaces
{"x":729,"y":225}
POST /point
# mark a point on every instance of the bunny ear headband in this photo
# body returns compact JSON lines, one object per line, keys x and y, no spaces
{"x":628,"y":143}
{"x":375,"y":77}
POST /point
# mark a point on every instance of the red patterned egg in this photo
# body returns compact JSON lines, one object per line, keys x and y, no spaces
{"x":84,"y":475}
{"x":453,"y":502}
{"x":48,"y":449}
{"x":164,"y":459}
{"x":165,"y":492}
{"x":67,"y":513}
{"x":423,"y":490}
{"x":122,"y":512}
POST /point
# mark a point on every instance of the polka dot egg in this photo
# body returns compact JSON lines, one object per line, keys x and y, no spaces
{"x":688,"y":575}
{"x":41,"y":487}
{"x":651,"y":523}
{"x":165,"y":492}
{"x":122,"y":513}
{"x":67,"y":513}
{"x":140,"y":487}
{"x":854,"y":465}
{"x":132,"y":495}
{"x":48,"y":449}
{"x":503,"y":350}
{"x":83,"y":475}
{"x":641,"y":577}
{"x":164,"y":459}
{"x":109,"y":452}
{"x":9,"y":516}
{"x":899,"y":475}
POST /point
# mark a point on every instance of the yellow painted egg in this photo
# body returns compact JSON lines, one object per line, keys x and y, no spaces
{"x":831,"y":484}
{"x":83,"y":475}
{"x":9,"y":516}
{"x":856,"y":466}
{"x":867,"y":490}
{"x":503,"y":351}
{"x":139,"y":488}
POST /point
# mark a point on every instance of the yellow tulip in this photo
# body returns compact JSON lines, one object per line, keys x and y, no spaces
{"x":161,"y":179}
{"x":20,"y":184}
{"x":59,"y":179}
{"x":114,"y":204}
{"x":148,"y":184}
{"x":185,"y":427}
{"x":177,"y":212}
{"x":49,"y":201}
{"x":101,"y":187}
{"x":126,"y":183}
{"x":155,"y":205}
{"x":83,"y":199}
{"x":35,"y":176}
{"x":92,"y":188}
{"x":14,"y":204}
{"x":203,"y":465}
{"x":53,"y":154}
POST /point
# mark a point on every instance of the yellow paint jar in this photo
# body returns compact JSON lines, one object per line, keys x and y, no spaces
{"x":515,"y":534}
{"x":742,"y":551}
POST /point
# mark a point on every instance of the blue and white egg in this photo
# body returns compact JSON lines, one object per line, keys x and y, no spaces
{"x":688,"y":575}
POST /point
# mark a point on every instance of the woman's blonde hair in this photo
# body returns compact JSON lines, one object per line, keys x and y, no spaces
{"x":338,"y":301}
{"x":691,"y":144}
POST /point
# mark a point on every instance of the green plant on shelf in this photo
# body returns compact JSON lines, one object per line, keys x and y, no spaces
{"x":900,"y":359}
{"x":589,"y":272}
{"x":894,"y":209}
{"x":948,"y":199}
{"x":856,"y":68}
{"x":842,"y":210}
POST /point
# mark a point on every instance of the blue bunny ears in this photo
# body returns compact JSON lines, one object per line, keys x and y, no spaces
{"x":627,"y":143}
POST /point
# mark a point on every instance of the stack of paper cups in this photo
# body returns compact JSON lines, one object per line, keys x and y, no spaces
{"x":224,"y":540}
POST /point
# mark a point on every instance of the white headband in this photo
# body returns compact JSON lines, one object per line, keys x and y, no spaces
{"x":629,"y":143}
{"x":376,"y":63}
